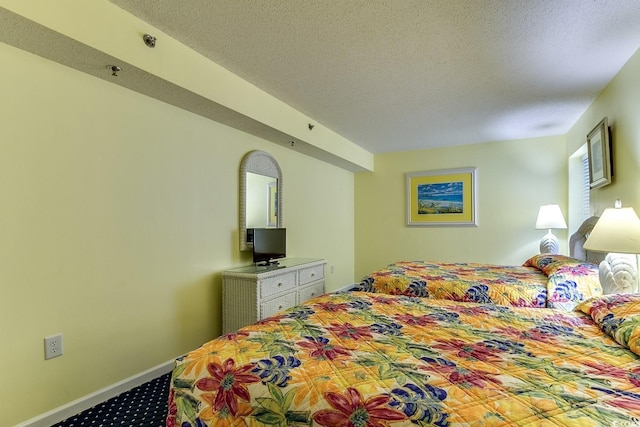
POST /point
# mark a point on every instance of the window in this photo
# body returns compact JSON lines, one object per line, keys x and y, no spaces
{"x":579,"y":188}
{"x":586,"y":189}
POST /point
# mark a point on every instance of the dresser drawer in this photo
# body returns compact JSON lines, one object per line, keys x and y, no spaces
{"x":269,"y":308}
{"x":277,"y":284}
{"x":311,"y":274}
{"x":310,"y":292}
{"x":252,"y":293}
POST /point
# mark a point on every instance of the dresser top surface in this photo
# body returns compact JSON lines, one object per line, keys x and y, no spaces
{"x":282,"y":264}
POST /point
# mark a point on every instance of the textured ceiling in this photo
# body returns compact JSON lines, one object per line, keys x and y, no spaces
{"x":394,"y":75}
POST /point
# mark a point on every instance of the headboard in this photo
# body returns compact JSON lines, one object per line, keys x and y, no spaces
{"x":576,"y":243}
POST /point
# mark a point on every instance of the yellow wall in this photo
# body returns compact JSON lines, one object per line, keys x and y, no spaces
{"x":88,"y":35}
{"x":118,"y":215}
{"x":514,"y":178}
{"x":620,"y":102}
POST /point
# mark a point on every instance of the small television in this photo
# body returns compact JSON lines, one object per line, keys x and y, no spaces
{"x":269,"y":244}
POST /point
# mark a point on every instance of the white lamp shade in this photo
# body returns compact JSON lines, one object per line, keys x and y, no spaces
{"x":617,"y":230}
{"x":550,"y":216}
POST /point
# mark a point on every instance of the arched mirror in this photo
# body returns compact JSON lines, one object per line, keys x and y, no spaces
{"x":260,"y":194}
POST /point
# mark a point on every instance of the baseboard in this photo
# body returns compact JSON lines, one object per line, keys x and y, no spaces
{"x":89,"y":401}
{"x":346,"y":288}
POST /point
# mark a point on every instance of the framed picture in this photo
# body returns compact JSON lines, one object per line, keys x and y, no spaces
{"x":599,"y":149}
{"x":442,"y":198}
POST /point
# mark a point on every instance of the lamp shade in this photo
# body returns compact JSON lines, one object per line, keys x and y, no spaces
{"x":550,"y":216}
{"x":617,"y":230}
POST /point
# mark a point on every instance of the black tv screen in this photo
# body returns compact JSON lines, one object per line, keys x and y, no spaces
{"x":269,"y":244}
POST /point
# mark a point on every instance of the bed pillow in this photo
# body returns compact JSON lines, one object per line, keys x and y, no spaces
{"x":618,"y":315}
{"x":469,"y":282}
{"x":571,"y":280}
{"x":401,"y":278}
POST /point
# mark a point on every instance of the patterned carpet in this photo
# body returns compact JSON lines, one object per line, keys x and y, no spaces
{"x":145,"y":405}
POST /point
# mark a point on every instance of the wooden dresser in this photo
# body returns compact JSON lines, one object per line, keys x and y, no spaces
{"x":253,"y":293}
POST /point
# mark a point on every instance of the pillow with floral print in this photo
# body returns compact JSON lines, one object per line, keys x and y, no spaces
{"x":571,"y":280}
{"x":618,"y":315}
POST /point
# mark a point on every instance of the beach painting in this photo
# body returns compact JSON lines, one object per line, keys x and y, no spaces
{"x":442,"y":198}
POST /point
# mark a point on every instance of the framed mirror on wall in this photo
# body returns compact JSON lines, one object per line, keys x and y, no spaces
{"x":260,"y":195}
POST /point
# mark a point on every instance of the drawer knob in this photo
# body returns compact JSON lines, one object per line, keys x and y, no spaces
{"x":280,"y":307}
{"x":313,"y":274}
{"x":313,"y":294}
{"x":280,"y":284}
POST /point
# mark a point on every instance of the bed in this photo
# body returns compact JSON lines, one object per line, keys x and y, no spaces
{"x":476,"y":345}
{"x":544,"y":280}
{"x":372,"y":359}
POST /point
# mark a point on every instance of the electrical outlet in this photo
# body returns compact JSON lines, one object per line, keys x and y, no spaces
{"x":52,"y":346}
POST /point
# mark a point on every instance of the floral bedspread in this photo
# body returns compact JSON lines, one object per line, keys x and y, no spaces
{"x":553,"y":281}
{"x":366,"y":359}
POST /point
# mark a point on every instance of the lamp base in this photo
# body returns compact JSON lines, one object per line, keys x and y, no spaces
{"x":619,"y":273}
{"x":549,"y":244}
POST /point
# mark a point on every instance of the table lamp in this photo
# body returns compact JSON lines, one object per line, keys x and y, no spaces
{"x":617,"y":232}
{"x":549,"y":216}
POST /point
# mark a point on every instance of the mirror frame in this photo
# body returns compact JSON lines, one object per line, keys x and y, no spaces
{"x":261,"y":163}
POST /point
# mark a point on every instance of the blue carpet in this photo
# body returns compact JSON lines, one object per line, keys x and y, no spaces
{"x":145,"y":405}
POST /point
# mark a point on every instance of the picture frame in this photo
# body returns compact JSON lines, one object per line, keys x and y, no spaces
{"x":599,"y":153}
{"x":442,"y":198}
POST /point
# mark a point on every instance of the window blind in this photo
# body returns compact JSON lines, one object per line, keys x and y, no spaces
{"x":586,"y":188}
